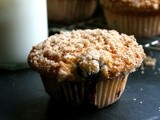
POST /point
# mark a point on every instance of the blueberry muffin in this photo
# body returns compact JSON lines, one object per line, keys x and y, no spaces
{"x":86,"y":66}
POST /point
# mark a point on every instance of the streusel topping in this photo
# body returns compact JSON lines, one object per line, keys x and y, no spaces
{"x":81,"y":53}
{"x":137,"y":4}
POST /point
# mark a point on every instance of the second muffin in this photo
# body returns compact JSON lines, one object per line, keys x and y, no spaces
{"x":134,"y":17}
{"x":86,"y":65}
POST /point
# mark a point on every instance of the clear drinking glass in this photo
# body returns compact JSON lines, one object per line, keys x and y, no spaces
{"x":23,"y":23}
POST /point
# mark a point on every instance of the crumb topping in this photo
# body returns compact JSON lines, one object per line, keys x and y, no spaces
{"x":81,"y":53}
{"x":137,"y":4}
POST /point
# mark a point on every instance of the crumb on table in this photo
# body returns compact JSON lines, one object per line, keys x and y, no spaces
{"x":150,"y":62}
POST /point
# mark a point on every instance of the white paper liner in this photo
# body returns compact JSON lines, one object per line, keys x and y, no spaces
{"x":76,"y":93}
{"x":140,"y":26}
{"x":109,"y":91}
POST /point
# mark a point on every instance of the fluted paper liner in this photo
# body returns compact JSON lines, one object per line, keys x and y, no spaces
{"x":109,"y":91}
{"x":76,"y":93}
{"x":140,"y":26}
{"x":69,"y":11}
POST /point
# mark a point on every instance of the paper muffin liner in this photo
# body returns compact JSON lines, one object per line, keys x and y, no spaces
{"x":109,"y":91}
{"x":132,"y":24}
{"x":69,"y":11}
{"x":104,"y":93}
{"x":71,"y":93}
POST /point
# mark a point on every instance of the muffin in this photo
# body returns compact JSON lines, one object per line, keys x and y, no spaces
{"x":86,"y":66}
{"x":70,"y":11}
{"x":133,"y":17}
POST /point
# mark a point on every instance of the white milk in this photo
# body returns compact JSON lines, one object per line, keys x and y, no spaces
{"x":23,"y":23}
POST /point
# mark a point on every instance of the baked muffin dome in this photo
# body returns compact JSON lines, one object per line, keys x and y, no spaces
{"x":77,"y":54}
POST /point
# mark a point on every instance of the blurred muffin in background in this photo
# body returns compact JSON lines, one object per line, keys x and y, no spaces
{"x":70,"y":11}
{"x":134,"y":17}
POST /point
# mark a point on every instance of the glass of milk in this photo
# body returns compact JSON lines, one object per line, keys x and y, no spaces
{"x":23,"y":23}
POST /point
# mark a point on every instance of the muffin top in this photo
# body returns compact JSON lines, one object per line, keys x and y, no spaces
{"x":141,"y":5}
{"x":78,"y":54}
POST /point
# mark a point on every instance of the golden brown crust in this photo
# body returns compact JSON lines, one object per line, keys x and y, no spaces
{"x":81,"y":53}
{"x":133,"y":5}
